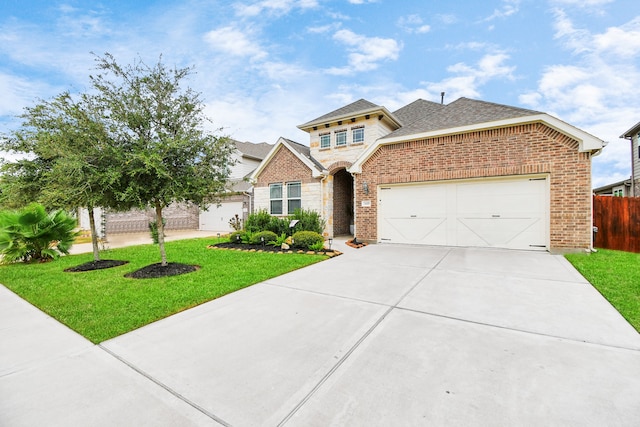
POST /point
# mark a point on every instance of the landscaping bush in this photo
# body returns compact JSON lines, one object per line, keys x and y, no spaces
{"x":33,"y":235}
{"x":268,"y":236}
{"x":258,"y":221}
{"x":308,"y":220}
{"x":306,"y":239}
{"x":261,"y":220}
{"x":233,"y":237}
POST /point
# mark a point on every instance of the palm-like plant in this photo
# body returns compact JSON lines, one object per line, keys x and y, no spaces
{"x":32,"y":234}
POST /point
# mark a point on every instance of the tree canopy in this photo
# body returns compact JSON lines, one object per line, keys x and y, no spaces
{"x":138,"y":139}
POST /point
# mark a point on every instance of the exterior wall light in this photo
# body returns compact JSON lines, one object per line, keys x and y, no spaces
{"x":365,"y":187}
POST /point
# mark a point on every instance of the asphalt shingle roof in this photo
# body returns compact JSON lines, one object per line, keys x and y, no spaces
{"x":353,"y":108}
{"x":256,"y":151}
{"x":416,"y":110}
{"x":305,"y":151}
{"x":462,"y":112}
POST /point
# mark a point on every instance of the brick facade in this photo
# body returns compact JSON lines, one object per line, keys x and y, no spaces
{"x":517,"y":150}
{"x":284,"y":167}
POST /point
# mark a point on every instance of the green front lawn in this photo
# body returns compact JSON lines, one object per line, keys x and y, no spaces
{"x":102,"y":304}
{"x":616,"y":275}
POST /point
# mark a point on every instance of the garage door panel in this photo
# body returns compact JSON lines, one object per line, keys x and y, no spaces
{"x":216,"y":218}
{"x":508,"y":213}
{"x":499,"y":232}
{"x":415,"y":230}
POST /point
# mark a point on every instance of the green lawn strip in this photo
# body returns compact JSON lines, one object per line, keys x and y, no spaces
{"x":102,"y":304}
{"x":616,"y":275}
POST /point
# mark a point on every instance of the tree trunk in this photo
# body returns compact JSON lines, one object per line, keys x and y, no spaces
{"x":94,"y":234}
{"x":160,"y":225}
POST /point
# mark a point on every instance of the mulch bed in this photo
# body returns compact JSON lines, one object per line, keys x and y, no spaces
{"x":155,"y":271}
{"x":356,"y":244}
{"x":270,"y":248}
{"x":96,"y":265}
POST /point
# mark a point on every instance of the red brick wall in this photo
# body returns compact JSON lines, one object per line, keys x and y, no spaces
{"x":284,"y":167}
{"x":517,"y":150}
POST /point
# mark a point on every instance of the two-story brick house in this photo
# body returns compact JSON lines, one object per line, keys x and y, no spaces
{"x":469,"y":173}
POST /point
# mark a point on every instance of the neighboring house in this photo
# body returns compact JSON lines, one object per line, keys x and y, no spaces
{"x":619,"y":189}
{"x":239,"y":197}
{"x":633,"y":135}
{"x":469,"y":173}
{"x":237,"y":201}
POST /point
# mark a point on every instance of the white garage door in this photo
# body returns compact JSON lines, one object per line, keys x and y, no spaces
{"x":505,"y":213}
{"x":217,"y":218}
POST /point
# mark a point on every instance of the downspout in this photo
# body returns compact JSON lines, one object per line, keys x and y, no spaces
{"x":633,"y":172}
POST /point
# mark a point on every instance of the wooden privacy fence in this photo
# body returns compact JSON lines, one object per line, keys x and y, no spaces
{"x":618,"y":222}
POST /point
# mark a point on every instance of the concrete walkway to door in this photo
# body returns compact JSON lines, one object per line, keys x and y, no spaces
{"x":383,"y":335}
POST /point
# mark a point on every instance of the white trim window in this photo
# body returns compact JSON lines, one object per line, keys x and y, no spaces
{"x":275,"y":199}
{"x":341,"y":138}
{"x":325,"y":140}
{"x":294,"y":197}
{"x":357,"y":135}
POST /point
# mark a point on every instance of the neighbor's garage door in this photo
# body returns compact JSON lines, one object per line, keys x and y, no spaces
{"x":217,"y":218}
{"x":501,"y":213}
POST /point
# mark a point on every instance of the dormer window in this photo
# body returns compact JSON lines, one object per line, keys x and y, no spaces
{"x":325,"y":140}
{"x":341,"y":138}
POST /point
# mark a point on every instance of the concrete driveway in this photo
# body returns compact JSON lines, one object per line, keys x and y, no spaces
{"x":384,"y":335}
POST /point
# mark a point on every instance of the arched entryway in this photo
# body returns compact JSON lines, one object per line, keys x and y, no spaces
{"x":342,"y":202}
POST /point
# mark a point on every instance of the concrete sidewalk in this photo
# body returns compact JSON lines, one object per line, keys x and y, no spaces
{"x":384,"y":335}
{"x":130,"y":239}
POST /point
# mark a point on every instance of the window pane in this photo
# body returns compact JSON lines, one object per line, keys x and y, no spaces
{"x":275,"y":191}
{"x":341,"y":138}
{"x":276,"y":207}
{"x":293,"y":204}
{"x":358,"y":135}
{"x":325,"y":141}
{"x":294,"y":190}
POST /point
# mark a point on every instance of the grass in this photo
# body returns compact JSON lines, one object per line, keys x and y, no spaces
{"x":103,"y":304}
{"x":616,"y":275}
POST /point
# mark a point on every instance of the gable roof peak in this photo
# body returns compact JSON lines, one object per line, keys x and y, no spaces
{"x":359,"y":107}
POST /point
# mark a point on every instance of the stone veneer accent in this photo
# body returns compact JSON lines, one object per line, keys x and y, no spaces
{"x":518,"y":150}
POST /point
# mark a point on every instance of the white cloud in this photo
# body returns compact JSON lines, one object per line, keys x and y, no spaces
{"x":232,"y":41}
{"x":509,"y":7}
{"x":365,"y":52}
{"x":274,"y":7}
{"x":582,"y":3}
{"x":362,"y":1}
{"x":593,"y":92}
{"x":413,"y":24}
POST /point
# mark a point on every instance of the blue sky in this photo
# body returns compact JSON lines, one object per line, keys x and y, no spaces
{"x":265,"y":66}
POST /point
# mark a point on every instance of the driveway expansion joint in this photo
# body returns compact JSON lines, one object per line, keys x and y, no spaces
{"x":166,"y":387}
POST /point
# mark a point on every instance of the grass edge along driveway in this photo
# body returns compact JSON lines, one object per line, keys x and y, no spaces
{"x":103,"y":304}
{"x":616,"y":275}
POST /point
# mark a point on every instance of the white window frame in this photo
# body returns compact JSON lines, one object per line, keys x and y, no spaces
{"x":325,"y":137}
{"x":297,"y":197}
{"x":275,"y":199}
{"x":359,"y":131}
{"x":341,"y":138}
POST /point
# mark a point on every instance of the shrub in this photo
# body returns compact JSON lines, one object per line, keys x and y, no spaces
{"x":236,"y":223}
{"x":306,"y":239}
{"x":258,"y":221}
{"x":268,"y":236}
{"x":233,"y":237}
{"x":317,"y":246}
{"x":33,"y":235}
{"x":308,"y":220}
{"x":279,"y":240}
